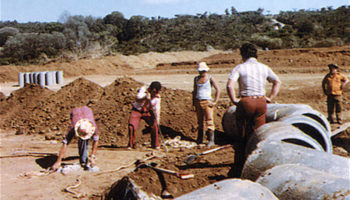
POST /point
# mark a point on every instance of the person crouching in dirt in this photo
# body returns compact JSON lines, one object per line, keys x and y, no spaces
{"x":333,"y":84}
{"x":203,"y":104}
{"x":252,"y":104}
{"x":83,"y":126}
{"x":146,"y":107}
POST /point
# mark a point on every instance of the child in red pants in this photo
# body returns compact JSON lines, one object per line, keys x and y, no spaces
{"x":146,"y":107}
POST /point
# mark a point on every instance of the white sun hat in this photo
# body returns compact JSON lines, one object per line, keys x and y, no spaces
{"x":84,"y":129}
{"x":142,"y":92}
{"x":202,"y":66}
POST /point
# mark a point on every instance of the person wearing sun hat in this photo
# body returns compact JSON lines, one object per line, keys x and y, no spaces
{"x":332,"y":85}
{"x":203,"y":103}
{"x":146,"y":107}
{"x":83,"y":126}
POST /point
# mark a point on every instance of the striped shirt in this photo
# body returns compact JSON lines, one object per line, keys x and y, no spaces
{"x":252,"y":76}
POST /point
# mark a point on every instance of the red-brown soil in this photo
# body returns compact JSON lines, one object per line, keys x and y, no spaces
{"x":36,"y":111}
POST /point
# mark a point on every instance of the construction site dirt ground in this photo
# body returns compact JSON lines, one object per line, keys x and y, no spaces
{"x":34,"y":119}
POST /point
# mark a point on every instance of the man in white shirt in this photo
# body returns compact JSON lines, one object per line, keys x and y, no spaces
{"x":251,"y":102}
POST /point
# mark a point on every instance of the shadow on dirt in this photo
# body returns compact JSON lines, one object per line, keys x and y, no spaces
{"x":48,"y":161}
{"x":342,"y":140}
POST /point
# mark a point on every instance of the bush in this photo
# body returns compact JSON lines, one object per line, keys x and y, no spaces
{"x":329,"y":43}
{"x":27,"y":46}
{"x":5,"y":33}
{"x":266,"y":42}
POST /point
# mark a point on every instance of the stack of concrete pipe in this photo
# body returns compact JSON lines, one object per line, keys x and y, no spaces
{"x":292,"y":154}
{"x":47,"y":78}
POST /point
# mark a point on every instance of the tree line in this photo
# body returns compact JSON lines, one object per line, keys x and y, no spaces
{"x":85,"y":35}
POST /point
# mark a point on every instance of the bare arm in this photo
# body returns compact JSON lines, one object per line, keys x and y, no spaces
{"x":217,"y":93}
{"x":230,"y":87}
{"x":94,"y":147}
{"x":194,"y":92}
{"x":92,"y":156}
{"x":274,"y":90}
{"x":60,"y":156}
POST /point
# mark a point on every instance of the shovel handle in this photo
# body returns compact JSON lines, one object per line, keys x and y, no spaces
{"x":177,"y":174}
{"x":215,"y":149}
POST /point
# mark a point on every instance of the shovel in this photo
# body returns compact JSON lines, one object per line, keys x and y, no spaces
{"x":190,"y":159}
{"x":177,"y":174}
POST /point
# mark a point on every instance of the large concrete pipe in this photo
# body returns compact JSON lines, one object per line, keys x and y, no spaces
{"x":49,"y":78}
{"x":229,"y":122}
{"x":37,"y":77}
{"x":294,"y":182}
{"x":21,"y":79}
{"x":272,"y":153}
{"x":59,"y":77}
{"x":32,"y":78}
{"x":41,"y":79}
{"x":230,"y":189}
{"x":311,"y":128}
{"x":277,"y":111}
{"x":26,"y":78}
{"x":281,"y":131}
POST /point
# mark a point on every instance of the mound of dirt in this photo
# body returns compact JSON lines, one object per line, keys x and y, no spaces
{"x":20,"y":104}
{"x":48,"y":113}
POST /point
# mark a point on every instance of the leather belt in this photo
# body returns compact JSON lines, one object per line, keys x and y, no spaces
{"x":253,"y":97}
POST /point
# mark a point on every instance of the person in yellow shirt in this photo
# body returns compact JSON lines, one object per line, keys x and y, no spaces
{"x":333,"y":84}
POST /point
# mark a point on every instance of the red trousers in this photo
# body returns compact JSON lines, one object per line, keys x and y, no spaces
{"x":250,"y":115}
{"x":134,"y":121}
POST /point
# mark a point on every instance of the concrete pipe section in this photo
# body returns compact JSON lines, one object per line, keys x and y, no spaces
{"x":277,"y":111}
{"x":59,"y":77}
{"x":292,"y":181}
{"x":229,"y":122}
{"x":231,"y":189}
{"x":21,"y":79}
{"x":311,"y":128}
{"x":273,"y":153}
{"x":41,"y":79}
{"x":281,"y":131}
{"x":309,"y":121}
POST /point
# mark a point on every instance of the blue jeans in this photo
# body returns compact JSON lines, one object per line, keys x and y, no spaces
{"x":83,"y":151}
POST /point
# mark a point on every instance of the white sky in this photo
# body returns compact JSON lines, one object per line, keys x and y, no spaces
{"x":50,"y":10}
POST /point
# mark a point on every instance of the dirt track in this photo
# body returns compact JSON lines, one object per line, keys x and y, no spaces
{"x":43,"y":113}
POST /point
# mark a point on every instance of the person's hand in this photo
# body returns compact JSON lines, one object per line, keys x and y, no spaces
{"x":236,"y":101}
{"x":92,"y":160}
{"x":55,"y":166}
{"x":268,"y":100}
{"x":212,"y":104}
{"x":148,"y":96}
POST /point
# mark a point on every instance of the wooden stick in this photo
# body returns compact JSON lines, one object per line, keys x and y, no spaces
{"x":126,"y":166}
{"x":33,"y":154}
{"x":340,"y":129}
